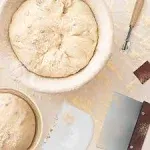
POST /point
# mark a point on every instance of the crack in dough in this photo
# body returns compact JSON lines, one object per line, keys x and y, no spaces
{"x":54,"y":38}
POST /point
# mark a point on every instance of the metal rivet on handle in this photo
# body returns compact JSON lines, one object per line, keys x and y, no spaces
{"x":131,"y":147}
{"x":143,"y":113}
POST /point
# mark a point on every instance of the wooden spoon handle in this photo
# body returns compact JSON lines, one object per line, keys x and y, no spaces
{"x":137,"y":12}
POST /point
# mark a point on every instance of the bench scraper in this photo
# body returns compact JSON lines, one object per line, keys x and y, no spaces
{"x":126,"y":124}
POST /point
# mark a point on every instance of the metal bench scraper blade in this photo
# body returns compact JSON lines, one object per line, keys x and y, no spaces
{"x":120,"y":123}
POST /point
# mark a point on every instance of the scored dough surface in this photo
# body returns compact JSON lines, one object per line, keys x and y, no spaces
{"x":17,"y":123}
{"x":54,"y":38}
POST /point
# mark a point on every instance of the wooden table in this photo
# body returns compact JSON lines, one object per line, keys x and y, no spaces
{"x":117,"y":75}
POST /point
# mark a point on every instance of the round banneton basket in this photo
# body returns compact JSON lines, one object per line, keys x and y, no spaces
{"x":39,"y":122}
{"x":57,"y":85}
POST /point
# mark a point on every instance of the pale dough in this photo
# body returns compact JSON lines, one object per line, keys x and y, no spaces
{"x":54,"y":38}
{"x":17,"y":123}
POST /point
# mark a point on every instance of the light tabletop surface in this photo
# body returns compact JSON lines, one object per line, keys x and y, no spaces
{"x":95,"y":97}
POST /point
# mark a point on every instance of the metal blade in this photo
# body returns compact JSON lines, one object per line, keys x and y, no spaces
{"x":73,"y":131}
{"x":119,"y":123}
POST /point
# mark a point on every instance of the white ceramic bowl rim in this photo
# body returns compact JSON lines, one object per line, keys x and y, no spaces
{"x":100,"y":58}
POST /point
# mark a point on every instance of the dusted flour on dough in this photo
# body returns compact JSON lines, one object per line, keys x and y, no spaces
{"x":54,"y":38}
{"x":17,"y":123}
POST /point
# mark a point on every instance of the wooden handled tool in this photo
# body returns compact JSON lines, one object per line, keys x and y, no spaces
{"x":134,"y":19}
{"x":137,"y":12}
{"x":130,"y":122}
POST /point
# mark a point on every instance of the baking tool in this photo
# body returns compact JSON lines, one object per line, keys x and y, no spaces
{"x":143,"y":72}
{"x":56,"y":85}
{"x":136,"y":13}
{"x":74,"y":130}
{"x":126,"y":124}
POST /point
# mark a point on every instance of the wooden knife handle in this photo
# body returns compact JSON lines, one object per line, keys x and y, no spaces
{"x":141,"y":128}
{"x":137,"y":11}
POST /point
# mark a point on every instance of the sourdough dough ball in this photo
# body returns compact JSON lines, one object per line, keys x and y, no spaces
{"x":17,"y":123}
{"x":54,"y":38}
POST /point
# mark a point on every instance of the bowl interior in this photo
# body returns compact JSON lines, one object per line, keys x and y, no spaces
{"x":102,"y":53}
{"x":39,"y":125}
